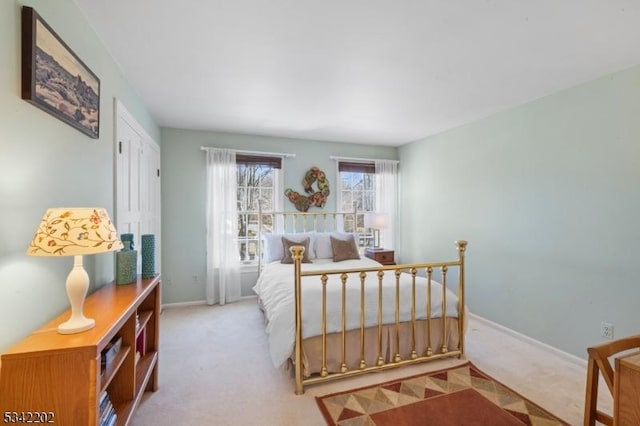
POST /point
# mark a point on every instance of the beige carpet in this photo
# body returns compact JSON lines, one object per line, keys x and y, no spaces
{"x":215,"y":370}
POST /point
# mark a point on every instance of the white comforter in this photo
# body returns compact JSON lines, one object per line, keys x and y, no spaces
{"x":275,"y":290}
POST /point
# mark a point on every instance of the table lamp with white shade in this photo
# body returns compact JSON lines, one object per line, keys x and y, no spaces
{"x":75,"y":232}
{"x":375,"y":221}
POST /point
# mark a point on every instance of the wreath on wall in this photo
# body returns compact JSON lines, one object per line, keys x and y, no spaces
{"x":315,"y":197}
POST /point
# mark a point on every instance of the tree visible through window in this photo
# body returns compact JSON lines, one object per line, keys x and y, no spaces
{"x":358,"y":192}
{"x":258,"y":185}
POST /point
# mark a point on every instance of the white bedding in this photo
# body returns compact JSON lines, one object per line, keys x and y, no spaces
{"x":275,"y":290}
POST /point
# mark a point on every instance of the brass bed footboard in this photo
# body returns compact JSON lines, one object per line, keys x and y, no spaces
{"x":399,"y":342}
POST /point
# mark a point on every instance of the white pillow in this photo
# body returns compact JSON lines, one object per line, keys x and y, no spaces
{"x":274,"y":249}
{"x":323,"y":243}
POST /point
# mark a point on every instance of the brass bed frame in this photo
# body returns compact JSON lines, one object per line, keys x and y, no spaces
{"x":403,"y":337}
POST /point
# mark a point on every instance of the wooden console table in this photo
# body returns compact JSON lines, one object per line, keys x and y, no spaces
{"x":626,"y":410}
{"x":54,"y":378}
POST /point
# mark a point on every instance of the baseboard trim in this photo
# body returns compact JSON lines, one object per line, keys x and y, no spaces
{"x":565,"y":355}
{"x":199,"y":302}
{"x":183,"y":304}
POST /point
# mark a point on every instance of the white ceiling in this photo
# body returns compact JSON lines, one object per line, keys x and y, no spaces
{"x":367,"y":71}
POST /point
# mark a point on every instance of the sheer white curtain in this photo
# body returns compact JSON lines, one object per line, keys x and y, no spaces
{"x":223,"y":259}
{"x":387,"y":200}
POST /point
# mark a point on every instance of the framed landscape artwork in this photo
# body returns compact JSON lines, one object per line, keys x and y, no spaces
{"x":55,"y":79}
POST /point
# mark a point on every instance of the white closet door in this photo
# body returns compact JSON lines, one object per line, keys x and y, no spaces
{"x":137,"y":182}
{"x":128,"y":165}
{"x":150,"y":194}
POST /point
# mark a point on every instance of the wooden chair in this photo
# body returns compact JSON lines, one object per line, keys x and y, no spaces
{"x":599,"y":363}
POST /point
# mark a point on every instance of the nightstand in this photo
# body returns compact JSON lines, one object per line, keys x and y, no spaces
{"x":380,"y":255}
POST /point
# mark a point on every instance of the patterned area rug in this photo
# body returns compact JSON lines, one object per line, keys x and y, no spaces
{"x":461,"y":395}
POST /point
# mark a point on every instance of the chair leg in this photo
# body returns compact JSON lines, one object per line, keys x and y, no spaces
{"x":591,"y":399}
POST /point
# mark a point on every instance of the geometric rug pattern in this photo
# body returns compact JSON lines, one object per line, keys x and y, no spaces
{"x":461,"y":395}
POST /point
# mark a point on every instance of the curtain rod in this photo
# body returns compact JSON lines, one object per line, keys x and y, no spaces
{"x":241,"y":151}
{"x":360,"y":160}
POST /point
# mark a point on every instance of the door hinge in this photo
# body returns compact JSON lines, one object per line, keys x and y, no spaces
{"x":120,"y":147}
{"x":158,"y":172}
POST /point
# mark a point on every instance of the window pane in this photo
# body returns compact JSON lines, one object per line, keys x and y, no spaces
{"x":267,"y":177}
{"x":348,"y":224}
{"x":255,"y":188}
{"x":369,"y":181}
{"x":267,"y":199}
{"x":242,"y":225}
{"x":267,"y":222}
{"x":357,"y":200}
{"x":253,"y":198}
{"x":242,"y":172}
{"x":243,"y":250}
{"x":358,"y":190}
{"x":357,"y":182}
{"x":241,"y":199}
{"x":252,"y":225}
{"x":347,"y":180}
{"x":347,"y":201}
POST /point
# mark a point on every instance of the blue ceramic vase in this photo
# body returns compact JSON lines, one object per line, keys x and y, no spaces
{"x":126,"y":261}
{"x":148,"y":253}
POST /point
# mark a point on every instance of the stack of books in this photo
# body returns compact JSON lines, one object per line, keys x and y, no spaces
{"x":109,"y":353}
{"x":108,"y":414}
{"x":141,"y":343}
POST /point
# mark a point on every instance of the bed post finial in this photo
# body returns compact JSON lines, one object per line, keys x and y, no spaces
{"x":297,"y":253}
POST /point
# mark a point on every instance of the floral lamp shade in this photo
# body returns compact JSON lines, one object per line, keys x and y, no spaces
{"x":74,"y":231}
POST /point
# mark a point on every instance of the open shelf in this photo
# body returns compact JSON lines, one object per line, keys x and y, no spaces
{"x":143,"y":318}
{"x":111,"y":370}
{"x":144,"y":371}
{"x":63,"y":372}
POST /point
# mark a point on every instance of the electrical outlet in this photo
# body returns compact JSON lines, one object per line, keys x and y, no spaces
{"x":606,"y":330}
{"x":195,"y":280}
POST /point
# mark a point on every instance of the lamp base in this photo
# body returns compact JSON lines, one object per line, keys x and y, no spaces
{"x":376,"y":239}
{"x":77,"y":286}
{"x":76,"y":325}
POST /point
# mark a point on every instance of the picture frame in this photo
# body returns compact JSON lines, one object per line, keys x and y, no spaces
{"x":55,"y":79}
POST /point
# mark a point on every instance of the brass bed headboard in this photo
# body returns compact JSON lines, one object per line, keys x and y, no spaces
{"x":296,"y":222}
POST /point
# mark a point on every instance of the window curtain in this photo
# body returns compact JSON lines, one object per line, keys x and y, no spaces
{"x":387,"y":200}
{"x":223,"y":259}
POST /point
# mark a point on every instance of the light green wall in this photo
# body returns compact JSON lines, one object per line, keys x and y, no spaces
{"x":46,"y":163}
{"x":548,"y":195}
{"x":183,"y":195}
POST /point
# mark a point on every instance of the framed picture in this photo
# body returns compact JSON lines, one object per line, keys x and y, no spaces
{"x":55,"y":79}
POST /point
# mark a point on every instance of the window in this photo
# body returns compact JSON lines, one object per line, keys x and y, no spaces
{"x":258,"y":180}
{"x":357,"y":183}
